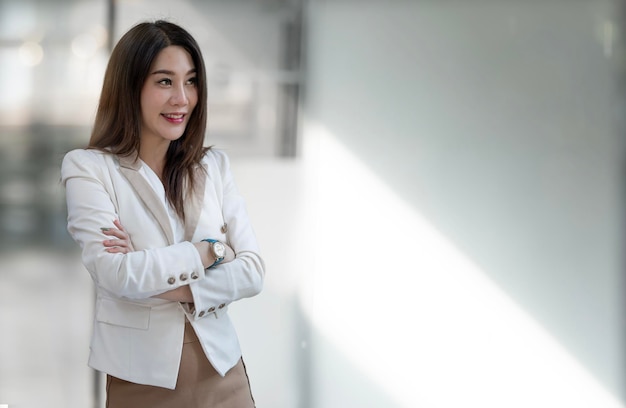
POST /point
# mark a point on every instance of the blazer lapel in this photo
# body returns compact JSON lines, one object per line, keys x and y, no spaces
{"x":129,"y":167}
{"x":193,"y":203}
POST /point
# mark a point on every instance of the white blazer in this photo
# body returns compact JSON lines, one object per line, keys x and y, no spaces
{"x":136,"y":337}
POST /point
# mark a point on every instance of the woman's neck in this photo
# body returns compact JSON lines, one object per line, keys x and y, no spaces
{"x":154,"y":157}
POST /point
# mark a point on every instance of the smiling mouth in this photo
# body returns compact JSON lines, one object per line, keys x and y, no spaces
{"x":174,"y":116}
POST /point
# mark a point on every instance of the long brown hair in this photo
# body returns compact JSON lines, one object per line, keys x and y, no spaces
{"x":117,"y":126}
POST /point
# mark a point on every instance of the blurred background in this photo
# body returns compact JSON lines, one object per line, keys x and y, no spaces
{"x":437,"y":187}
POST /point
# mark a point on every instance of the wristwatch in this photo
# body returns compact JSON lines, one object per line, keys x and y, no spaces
{"x":218,"y":250}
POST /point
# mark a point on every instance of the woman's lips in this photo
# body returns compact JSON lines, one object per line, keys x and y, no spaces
{"x":174,"y":117}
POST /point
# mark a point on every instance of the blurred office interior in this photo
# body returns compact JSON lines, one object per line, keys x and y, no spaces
{"x":437,"y":187}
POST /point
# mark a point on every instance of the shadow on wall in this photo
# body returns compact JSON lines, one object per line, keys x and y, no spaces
{"x":494,"y":121}
{"x":415,"y":314}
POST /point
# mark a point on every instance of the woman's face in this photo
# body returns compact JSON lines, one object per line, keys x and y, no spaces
{"x":168,"y":96}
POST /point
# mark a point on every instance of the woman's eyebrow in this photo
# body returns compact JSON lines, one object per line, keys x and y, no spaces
{"x":168,"y":72}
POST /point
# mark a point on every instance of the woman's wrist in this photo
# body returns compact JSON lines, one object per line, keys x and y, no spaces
{"x":205,"y":253}
{"x":217,"y":250}
{"x":208,"y":259}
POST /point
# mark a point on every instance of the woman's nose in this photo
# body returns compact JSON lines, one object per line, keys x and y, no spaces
{"x":179,"y":96}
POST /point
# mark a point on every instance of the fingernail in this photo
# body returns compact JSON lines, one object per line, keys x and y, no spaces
{"x":105,"y":228}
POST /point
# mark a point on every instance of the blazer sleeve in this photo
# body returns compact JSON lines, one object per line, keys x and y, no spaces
{"x":91,"y":198}
{"x":243,"y":277}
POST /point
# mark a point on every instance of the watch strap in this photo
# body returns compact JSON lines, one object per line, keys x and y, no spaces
{"x":217,"y":259}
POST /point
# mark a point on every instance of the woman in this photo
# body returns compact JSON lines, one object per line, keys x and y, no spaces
{"x":163,"y":230}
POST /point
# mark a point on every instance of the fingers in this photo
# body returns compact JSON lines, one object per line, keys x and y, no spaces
{"x":117,"y":246}
{"x":230,"y":254}
{"x":118,"y":232}
{"x":115,"y":233}
{"x":118,"y":224}
{"x":120,"y":243}
{"x":117,"y":250}
{"x":112,"y":232}
{"x":115,"y":242}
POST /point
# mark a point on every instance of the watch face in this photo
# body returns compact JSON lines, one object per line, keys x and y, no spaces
{"x":219,"y":249}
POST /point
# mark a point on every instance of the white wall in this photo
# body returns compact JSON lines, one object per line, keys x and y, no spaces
{"x":468,"y":189}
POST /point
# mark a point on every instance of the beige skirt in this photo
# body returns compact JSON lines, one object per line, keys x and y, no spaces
{"x":198,"y":385}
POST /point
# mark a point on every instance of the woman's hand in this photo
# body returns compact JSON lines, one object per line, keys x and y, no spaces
{"x":229,"y":255}
{"x":120,"y":242}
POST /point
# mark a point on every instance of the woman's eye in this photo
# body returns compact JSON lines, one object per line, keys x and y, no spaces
{"x":165,"y":81}
{"x":192,"y":81}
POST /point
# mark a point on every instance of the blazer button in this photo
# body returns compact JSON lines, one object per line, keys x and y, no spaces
{"x":201,"y":314}
{"x":222,"y":306}
{"x":194,"y":276}
{"x":171,"y":280}
{"x":211,"y":310}
{"x":183,"y":277}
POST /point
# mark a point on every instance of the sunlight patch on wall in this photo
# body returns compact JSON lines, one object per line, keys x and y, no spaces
{"x":414,"y":314}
